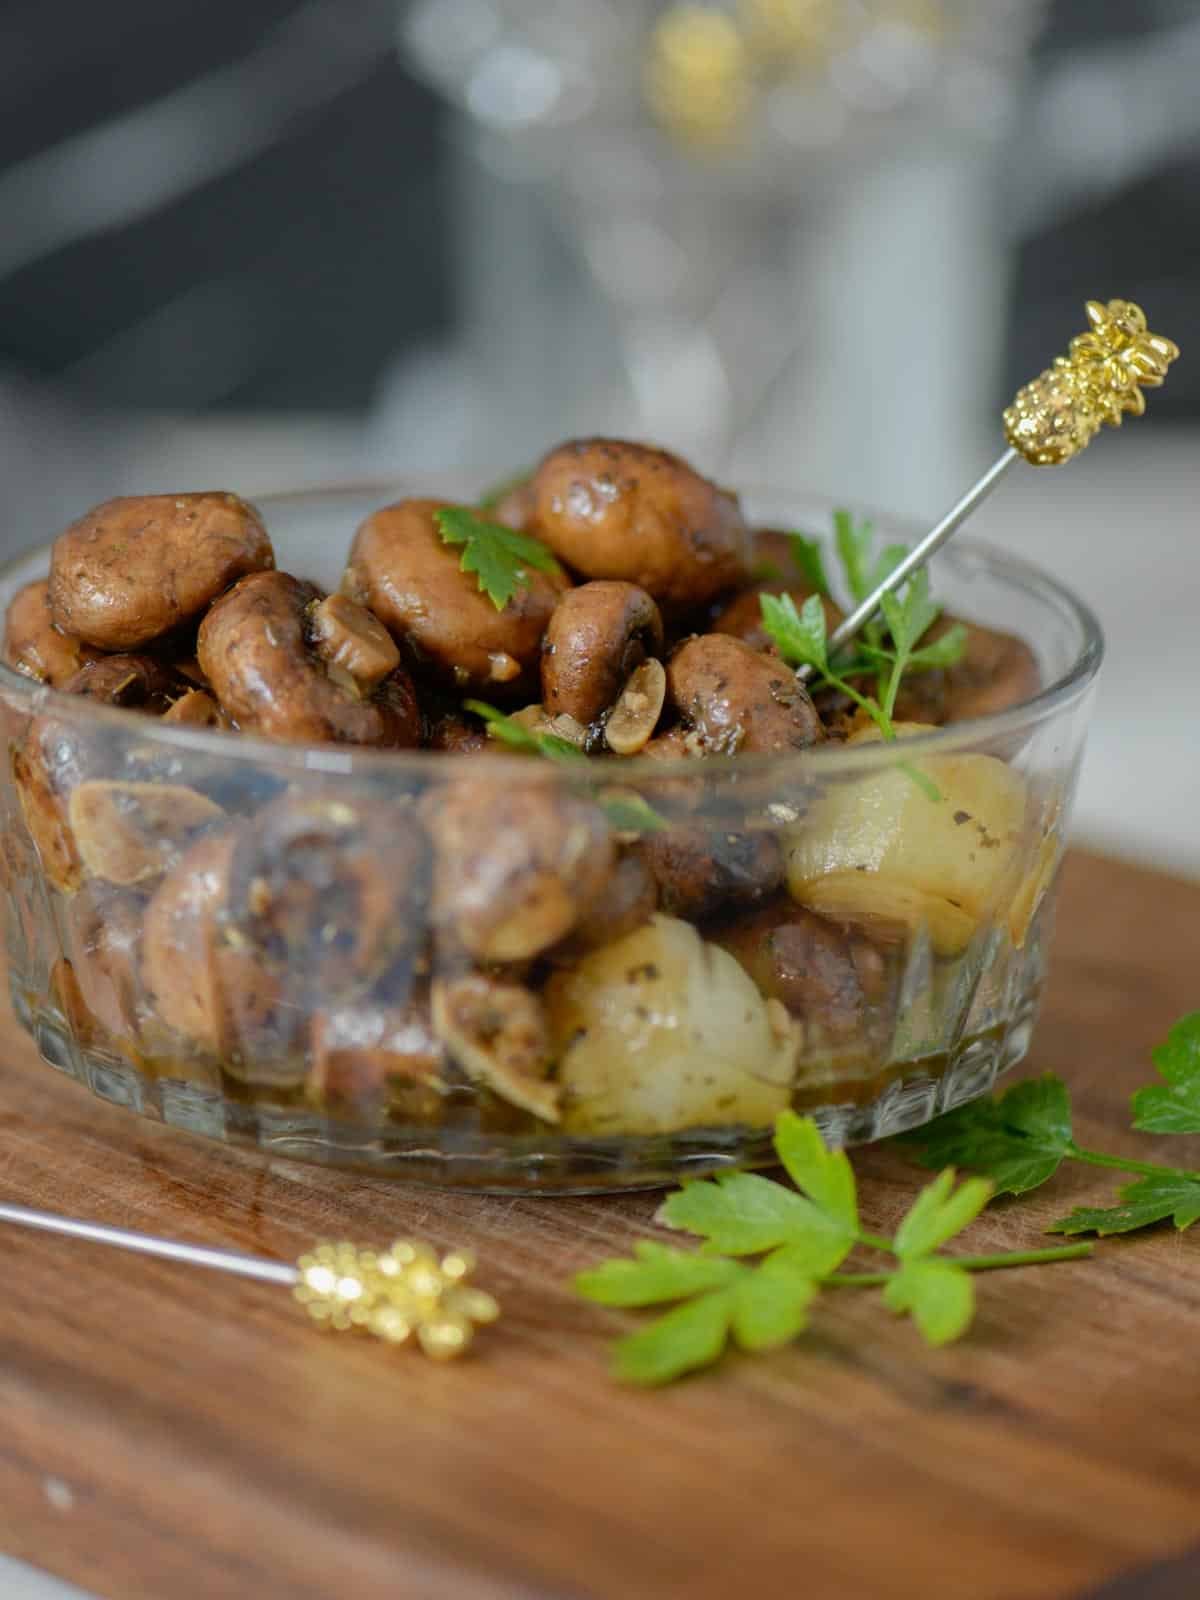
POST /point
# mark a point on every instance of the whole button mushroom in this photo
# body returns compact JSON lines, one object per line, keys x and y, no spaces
{"x":738,"y":701}
{"x":133,"y":569}
{"x":610,"y":509}
{"x":516,"y":865}
{"x":328,"y":892}
{"x":602,"y":635}
{"x":403,"y":571}
{"x":34,"y":646}
{"x":285,"y":661}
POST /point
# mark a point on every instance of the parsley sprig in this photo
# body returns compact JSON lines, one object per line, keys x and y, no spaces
{"x":625,"y":809}
{"x":800,"y":634}
{"x":500,"y":557}
{"x":1020,"y":1139}
{"x":800,"y":1236}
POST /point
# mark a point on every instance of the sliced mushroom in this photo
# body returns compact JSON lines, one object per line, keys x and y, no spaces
{"x":133,"y":569}
{"x":207,"y":985}
{"x":611,"y":509}
{"x":104,"y":943}
{"x":257,"y":649}
{"x":34,"y":646}
{"x":497,"y":1033}
{"x":599,"y":633}
{"x":196,"y":708}
{"x":516,"y":864}
{"x":353,"y":641}
{"x":58,"y":754}
{"x":630,"y":724}
{"x":129,"y":832}
{"x":413,"y":581}
{"x":738,"y":701}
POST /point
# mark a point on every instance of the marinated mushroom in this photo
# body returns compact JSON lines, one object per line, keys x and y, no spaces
{"x":57,"y":756}
{"x":328,"y":893}
{"x":496,"y":1031}
{"x":738,"y":701}
{"x":414,"y":583}
{"x":611,"y":509}
{"x":516,"y":865}
{"x":597,"y":635}
{"x":372,"y":1057}
{"x":129,"y":832}
{"x":135,"y":568}
{"x":701,"y":869}
{"x":103,"y":941}
{"x":32,"y":643}
{"x":268,"y":662}
{"x":214,"y":990}
{"x":822,"y":973}
{"x":629,"y":900}
{"x":662,"y":1031}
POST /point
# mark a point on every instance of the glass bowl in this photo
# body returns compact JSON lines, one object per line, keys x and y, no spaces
{"x":324,"y":952}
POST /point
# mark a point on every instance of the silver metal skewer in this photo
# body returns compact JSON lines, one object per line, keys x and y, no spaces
{"x":146,"y":1244}
{"x":1049,"y":421}
{"x":917,"y":556}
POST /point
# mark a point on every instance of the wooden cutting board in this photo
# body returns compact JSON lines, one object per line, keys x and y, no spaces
{"x":170,"y":1432}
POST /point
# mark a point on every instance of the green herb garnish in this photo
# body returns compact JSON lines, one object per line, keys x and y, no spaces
{"x":626,"y":811}
{"x":802,"y":1235}
{"x":907,"y":616}
{"x":1020,"y":1139}
{"x":807,"y":555}
{"x":519,"y":737}
{"x":499,"y":557}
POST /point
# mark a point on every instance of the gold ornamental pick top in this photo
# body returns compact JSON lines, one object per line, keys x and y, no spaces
{"x":1050,"y":420}
{"x":1098,"y":381}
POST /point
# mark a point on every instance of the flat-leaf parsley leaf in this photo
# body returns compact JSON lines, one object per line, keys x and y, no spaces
{"x":499,"y":557}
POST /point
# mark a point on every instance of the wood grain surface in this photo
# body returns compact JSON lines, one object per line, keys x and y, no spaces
{"x":171,"y":1432}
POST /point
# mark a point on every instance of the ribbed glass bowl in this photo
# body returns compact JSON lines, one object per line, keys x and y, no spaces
{"x":331,"y":1016}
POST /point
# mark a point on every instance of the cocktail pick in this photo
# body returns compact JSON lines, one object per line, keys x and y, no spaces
{"x":399,"y":1294}
{"x":1050,"y":420}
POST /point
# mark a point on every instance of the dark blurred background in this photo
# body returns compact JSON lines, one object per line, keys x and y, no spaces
{"x":813,"y":241}
{"x":279,"y":210}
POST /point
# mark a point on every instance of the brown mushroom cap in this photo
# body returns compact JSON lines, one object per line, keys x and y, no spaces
{"x":404,"y":572}
{"x":133,"y":569}
{"x":807,"y":962}
{"x":328,"y":891}
{"x":702,"y":870}
{"x":738,"y":701}
{"x":516,"y":864}
{"x":615,"y":510}
{"x":255,"y":649}
{"x":598,"y":634}
{"x":34,"y":646}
